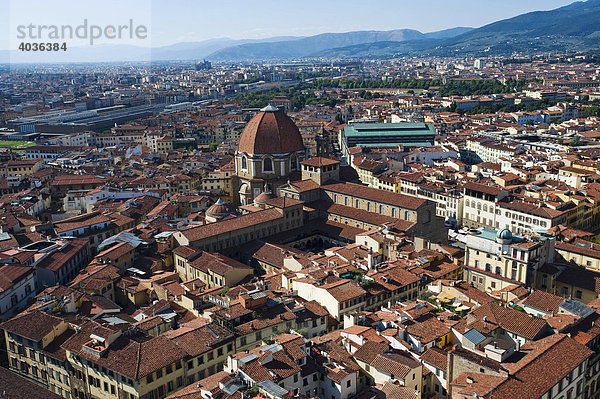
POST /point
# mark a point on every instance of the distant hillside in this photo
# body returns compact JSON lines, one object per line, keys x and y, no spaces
{"x":574,"y":27}
{"x":197,"y":50}
{"x":309,"y":45}
{"x":446,"y":33}
{"x":319,"y":43}
{"x":377,"y":49}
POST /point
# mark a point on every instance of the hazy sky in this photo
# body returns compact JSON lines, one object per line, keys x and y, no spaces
{"x":175,"y":21}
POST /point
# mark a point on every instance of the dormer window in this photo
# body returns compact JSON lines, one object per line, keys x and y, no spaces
{"x":267,"y":165}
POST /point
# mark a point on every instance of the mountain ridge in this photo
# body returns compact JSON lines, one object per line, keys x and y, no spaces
{"x":306,"y":46}
{"x":571,"y":27}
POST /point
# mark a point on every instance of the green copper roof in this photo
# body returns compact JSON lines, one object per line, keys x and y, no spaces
{"x":388,"y":129}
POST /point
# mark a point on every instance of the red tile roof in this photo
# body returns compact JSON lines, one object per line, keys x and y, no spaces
{"x":230,"y":225}
{"x":270,"y":132}
{"x":34,"y":325}
{"x":373,"y":194}
{"x":558,"y":353}
{"x":320,"y":161}
{"x":11,"y":274}
{"x":543,"y":301}
{"x":510,"y":319}
{"x":217,"y":263}
{"x":397,"y":364}
{"x":14,"y":386}
{"x":66,"y":180}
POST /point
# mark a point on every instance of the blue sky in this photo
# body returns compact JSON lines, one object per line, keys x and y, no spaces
{"x":175,"y":21}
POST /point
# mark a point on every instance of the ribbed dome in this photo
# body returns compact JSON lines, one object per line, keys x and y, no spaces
{"x":264,"y":197}
{"x":270,"y":132}
{"x":219,"y":208}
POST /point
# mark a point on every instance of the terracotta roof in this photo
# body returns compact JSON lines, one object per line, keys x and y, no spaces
{"x":199,"y":340}
{"x":79,"y":222}
{"x":587,"y":249}
{"x":14,"y":386}
{"x":320,"y":161}
{"x":315,"y":308}
{"x":283,"y":202}
{"x":534,"y":209}
{"x":186,"y":251}
{"x":543,"y":301}
{"x":133,"y":356}
{"x":95,"y":276}
{"x":66,"y":180}
{"x":218,"y":263}
{"x":360,"y":215}
{"x":303,"y":185}
{"x":436,"y":357}
{"x":398,"y":364}
{"x":343,"y":290}
{"x":393,"y":391}
{"x":478,"y":385}
{"x":483,"y":188}
{"x":373,"y":194}
{"x":58,"y":259}
{"x":281,"y":365}
{"x":116,"y":251}
{"x":511,"y":320}
{"x":427,"y":328}
{"x":229,"y":225}
{"x":558,"y":353}
{"x":270,"y":132}
{"x":11,"y":274}
{"x":272,"y":254}
{"x":369,"y":351}
{"x":266,"y":317}
{"x":211,"y":383}
{"x":34,"y":325}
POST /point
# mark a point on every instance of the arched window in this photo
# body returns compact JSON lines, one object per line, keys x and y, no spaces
{"x":294,"y":163}
{"x":244,"y":163}
{"x":267,"y":165}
